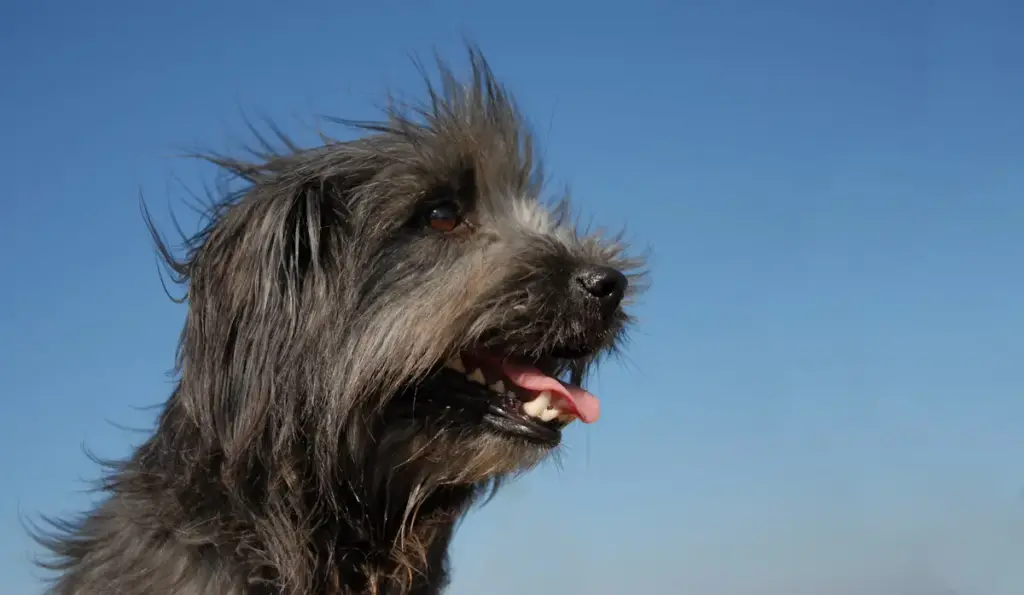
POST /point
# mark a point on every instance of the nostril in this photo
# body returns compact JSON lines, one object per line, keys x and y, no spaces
{"x":603,"y":283}
{"x":600,"y":286}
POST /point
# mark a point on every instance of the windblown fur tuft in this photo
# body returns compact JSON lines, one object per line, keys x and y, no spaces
{"x":291,"y":458}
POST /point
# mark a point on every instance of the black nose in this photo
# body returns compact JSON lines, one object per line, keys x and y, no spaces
{"x":603,"y":283}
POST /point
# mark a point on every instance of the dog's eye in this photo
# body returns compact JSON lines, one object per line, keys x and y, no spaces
{"x":444,"y":217}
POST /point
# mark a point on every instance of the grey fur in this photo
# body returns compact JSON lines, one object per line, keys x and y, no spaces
{"x":310,"y":445}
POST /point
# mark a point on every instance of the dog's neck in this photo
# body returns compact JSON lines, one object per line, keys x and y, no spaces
{"x":381,"y":556}
{"x":417,"y":564}
{"x":356,"y":540}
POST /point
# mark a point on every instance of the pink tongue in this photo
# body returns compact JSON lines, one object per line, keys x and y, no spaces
{"x":586,"y":405}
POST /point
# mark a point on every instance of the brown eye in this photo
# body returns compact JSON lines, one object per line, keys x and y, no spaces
{"x":444,"y":217}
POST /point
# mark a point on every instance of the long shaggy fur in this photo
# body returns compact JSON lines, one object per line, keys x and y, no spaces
{"x":299,"y":452}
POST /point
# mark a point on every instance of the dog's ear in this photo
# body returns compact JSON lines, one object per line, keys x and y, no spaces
{"x":258,"y":275}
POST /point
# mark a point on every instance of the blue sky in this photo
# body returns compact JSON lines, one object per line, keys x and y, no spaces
{"x":825,"y":393}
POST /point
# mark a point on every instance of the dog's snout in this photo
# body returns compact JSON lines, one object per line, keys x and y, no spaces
{"x":605,"y":284}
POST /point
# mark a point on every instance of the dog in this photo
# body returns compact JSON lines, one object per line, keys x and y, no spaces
{"x":379,"y":332}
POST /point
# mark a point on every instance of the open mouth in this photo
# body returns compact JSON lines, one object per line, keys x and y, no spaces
{"x":522,"y":400}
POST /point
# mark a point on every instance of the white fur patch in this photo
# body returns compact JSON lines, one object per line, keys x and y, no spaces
{"x":536,"y":218}
{"x":532,"y":215}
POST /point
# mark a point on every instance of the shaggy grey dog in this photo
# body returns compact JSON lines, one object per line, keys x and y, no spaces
{"x":378,"y":332}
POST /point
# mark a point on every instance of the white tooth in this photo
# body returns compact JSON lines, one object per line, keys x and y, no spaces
{"x":566,"y":418}
{"x":533,"y":408}
{"x":537,"y":406}
{"x":477,"y":376}
{"x":456,"y":364}
{"x":549,"y":414}
{"x":498,"y":387}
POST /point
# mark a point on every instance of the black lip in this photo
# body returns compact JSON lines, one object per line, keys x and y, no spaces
{"x":512,"y":423}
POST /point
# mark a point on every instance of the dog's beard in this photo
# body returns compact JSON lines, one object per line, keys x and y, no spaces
{"x":469,"y":423}
{"x":503,"y":405}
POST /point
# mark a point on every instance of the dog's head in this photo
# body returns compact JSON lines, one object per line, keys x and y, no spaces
{"x":406,"y":296}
